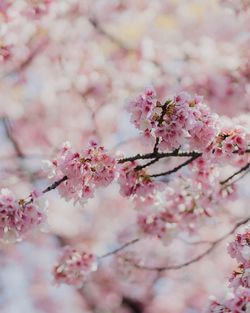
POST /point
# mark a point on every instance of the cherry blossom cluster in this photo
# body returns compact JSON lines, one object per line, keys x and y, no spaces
{"x":229,"y":143}
{"x":182,"y":204}
{"x":74,"y":266}
{"x":240,"y":250}
{"x":83,"y":172}
{"x":181,"y":122}
{"x":17,"y":217}
{"x":239,"y":302}
{"x":134,"y":181}
{"x":175,"y":210}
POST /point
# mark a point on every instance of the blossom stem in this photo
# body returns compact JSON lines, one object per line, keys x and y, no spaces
{"x":55,"y":184}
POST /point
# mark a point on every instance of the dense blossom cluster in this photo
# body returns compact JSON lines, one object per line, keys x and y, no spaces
{"x":181,"y":122}
{"x":134,"y":181}
{"x":17,"y":217}
{"x":229,"y":143}
{"x":240,"y":250}
{"x":83,"y":172}
{"x":239,"y":302}
{"x":74,"y":266}
{"x":182,"y":205}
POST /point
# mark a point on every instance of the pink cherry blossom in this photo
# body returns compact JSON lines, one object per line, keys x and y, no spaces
{"x":230,"y":143}
{"x":179,"y":122}
{"x":239,"y":301}
{"x":240,"y":248}
{"x":17,"y":218}
{"x":74,"y":266}
{"x":133,"y":181}
{"x":85,"y":171}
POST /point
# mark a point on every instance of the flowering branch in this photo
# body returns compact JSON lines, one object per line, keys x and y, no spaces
{"x":53,"y":186}
{"x":244,"y":168}
{"x":213,"y":245}
{"x":177,"y":168}
{"x":160,"y":155}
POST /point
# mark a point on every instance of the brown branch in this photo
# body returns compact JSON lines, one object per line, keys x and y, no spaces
{"x":53,"y":186}
{"x":213,"y":245}
{"x":133,"y":305}
{"x":159,"y":155}
{"x":177,"y":168}
{"x":244,"y":168}
{"x":161,"y":119}
{"x":140,"y":167}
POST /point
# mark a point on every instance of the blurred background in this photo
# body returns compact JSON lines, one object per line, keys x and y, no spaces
{"x":67,"y":69}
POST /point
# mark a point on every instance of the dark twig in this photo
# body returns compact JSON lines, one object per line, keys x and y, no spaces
{"x":140,"y":167}
{"x":244,"y":168}
{"x":159,"y":155}
{"x":55,"y":184}
{"x":177,"y":168}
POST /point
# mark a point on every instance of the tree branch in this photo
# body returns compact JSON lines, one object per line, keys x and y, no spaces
{"x":53,"y":186}
{"x":213,"y":245}
{"x":120,"y":248}
{"x":159,"y":155}
{"x":177,"y":168}
{"x":244,"y":168}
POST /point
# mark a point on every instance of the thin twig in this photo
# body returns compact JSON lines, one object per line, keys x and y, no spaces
{"x":213,"y":245}
{"x":244,"y":168}
{"x":120,"y":248}
{"x":159,"y":155}
{"x":177,"y":168}
{"x":53,"y":186}
{"x":140,"y":167}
